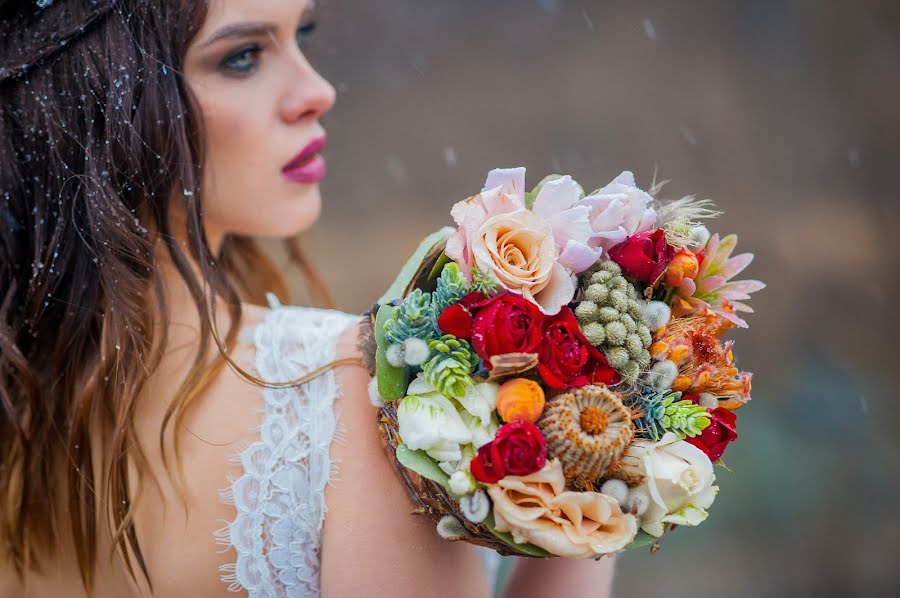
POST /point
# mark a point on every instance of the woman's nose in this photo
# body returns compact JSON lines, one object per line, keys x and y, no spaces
{"x":309,"y":95}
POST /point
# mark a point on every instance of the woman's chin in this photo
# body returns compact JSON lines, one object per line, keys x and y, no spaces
{"x":296,"y":214}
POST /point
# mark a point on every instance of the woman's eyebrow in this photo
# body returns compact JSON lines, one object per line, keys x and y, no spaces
{"x":251,"y":29}
{"x":240,"y":30}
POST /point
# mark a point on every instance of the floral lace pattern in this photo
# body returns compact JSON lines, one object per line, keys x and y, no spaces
{"x":280,"y":496}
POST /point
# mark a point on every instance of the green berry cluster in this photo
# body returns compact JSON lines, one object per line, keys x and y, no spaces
{"x":610,"y":318}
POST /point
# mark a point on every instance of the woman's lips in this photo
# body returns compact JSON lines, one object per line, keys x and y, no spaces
{"x":308,"y":166}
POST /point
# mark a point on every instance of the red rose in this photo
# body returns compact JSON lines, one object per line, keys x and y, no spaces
{"x":643,"y":256}
{"x":715,"y":437}
{"x":456,"y":320}
{"x":473,"y":298}
{"x":518,"y":448}
{"x":568,"y":359}
{"x":506,"y":323}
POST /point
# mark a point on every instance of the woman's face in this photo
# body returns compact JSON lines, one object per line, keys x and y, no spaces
{"x":261,"y":102}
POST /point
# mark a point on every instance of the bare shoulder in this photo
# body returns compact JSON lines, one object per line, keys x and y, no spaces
{"x":373,"y":543}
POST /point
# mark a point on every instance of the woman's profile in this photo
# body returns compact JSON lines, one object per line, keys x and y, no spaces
{"x":167,"y":427}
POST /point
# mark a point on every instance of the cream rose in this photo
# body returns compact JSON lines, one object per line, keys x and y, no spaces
{"x":536,"y":509}
{"x":518,"y":249}
{"x":679,"y":481}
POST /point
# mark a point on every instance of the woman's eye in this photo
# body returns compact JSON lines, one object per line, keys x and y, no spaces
{"x":304,"y":32}
{"x":243,"y":61}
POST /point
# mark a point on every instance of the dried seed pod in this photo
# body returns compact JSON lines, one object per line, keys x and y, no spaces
{"x":587,"y":429}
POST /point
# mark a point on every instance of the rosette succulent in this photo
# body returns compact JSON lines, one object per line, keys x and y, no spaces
{"x":668,"y":412}
{"x":611,"y":318}
{"x":450,"y":366}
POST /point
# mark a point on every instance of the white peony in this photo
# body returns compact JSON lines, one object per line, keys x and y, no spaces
{"x":679,"y":482}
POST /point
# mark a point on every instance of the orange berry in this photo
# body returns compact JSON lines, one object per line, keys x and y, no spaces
{"x":520,"y":399}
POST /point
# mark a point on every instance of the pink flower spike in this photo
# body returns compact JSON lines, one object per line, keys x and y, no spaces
{"x":736,"y":265}
{"x":708,"y":285}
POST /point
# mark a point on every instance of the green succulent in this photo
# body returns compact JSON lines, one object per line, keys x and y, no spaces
{"x":451,"y":287}
{"x":665,"y":411}
{"x":412,"y":318}
{"x":450,"y":366}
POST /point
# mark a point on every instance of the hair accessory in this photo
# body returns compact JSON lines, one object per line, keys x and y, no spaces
{"x":29,"y":36}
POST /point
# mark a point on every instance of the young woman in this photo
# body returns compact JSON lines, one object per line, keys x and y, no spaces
{"x":160,"y":431}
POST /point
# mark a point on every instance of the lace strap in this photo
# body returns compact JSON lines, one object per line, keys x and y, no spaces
{"x":279,"y":497}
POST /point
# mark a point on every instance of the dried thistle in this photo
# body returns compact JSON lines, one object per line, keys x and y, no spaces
{"x":587,"y":429}
{"x":678,"y":217}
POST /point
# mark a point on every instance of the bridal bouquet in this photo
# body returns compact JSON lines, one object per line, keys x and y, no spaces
{"x":551,"y":373}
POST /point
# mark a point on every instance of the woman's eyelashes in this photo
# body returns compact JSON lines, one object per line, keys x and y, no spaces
{"x":246,"y":60}
{"x":243,"y":61}
{"x":305,"y":31}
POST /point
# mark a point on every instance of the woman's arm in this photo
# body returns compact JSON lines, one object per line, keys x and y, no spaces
{"x":373,"y":544}
{"x":560,"y":577}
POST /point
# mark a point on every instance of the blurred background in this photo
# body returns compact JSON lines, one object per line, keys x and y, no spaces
{"x":785,"y":113}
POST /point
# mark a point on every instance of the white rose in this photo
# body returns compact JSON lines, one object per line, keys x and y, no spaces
{"x":679,"y":482}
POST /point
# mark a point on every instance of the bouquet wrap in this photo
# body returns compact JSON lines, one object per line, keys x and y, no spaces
{"x":551,"y":374}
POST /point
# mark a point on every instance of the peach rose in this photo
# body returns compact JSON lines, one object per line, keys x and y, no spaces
{"x":518,"y":249}
{"x":537,"y":509}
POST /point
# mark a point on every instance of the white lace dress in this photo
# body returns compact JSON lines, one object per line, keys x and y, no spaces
{"x":280,"y":496}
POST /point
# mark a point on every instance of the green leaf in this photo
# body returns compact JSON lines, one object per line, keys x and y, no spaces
{"x":641,"y":539}
{"x":422,"y":464}
{"x":507,"y":539}
{"x":385,"y":313}
{"x":414,"y":263}
{"x":442,"y":261}
{"x":392,"y":381}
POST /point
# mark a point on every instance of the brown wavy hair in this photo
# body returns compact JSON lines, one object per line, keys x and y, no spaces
{"x":98,"y":131}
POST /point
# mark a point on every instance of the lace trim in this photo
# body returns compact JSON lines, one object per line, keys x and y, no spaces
{"x":280,"y":496}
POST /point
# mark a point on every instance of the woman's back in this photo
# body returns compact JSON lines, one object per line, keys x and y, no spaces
{"x":259,"y":472}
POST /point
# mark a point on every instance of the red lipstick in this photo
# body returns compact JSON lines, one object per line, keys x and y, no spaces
{"x":308,"y":166}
